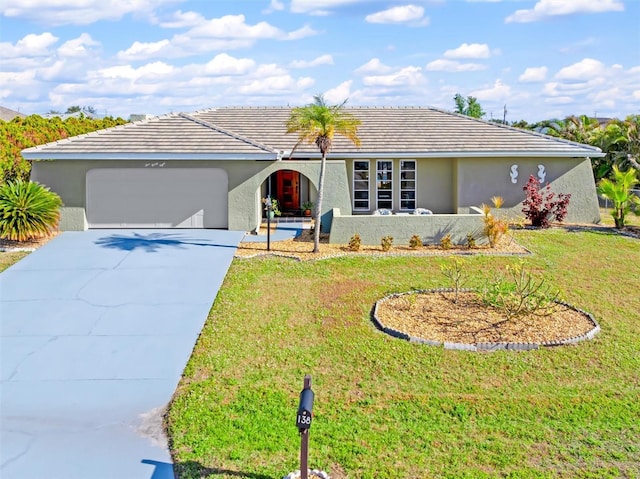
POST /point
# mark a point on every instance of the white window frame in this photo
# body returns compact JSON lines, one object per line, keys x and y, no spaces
{"x":388,"y":177}
{"x":368,"y":189}
{"x":408,"y":190}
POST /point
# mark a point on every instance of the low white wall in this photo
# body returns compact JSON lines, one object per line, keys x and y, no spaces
{"x":431,"y":228}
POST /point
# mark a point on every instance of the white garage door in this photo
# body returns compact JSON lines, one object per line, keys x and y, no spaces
{"x":157,"y":198}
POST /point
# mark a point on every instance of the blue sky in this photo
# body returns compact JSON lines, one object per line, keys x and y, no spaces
{"x":541,"y":58}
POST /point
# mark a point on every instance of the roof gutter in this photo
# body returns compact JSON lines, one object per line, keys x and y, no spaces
{"x":456,"y":154}
{"x":43,"y":155}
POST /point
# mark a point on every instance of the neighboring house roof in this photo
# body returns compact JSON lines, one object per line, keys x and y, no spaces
{"x":7,"y":114}
{"x":231,"y":132}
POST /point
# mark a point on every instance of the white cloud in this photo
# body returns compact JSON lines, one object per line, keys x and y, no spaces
{"x":469,"y":50}
{"x":274,"y":84}
{"x":585,"y":69}
{"x":442,"y":65}
{"x":339,"y":94}
{"x":551,"y":8}
{"x":182,"y":19}
{"x":320,"y":7}
{"x":411,"y":14}
{"x":373,"y":66}
{"x":79,"y":12}
{"x":533,"y":74}
{"x":31,"y":45}
{"x":498,"y":92}
{"x":303,"y":32}
{"x":78,"y":47}
{"x":229,"y":32}
{"x":224,"y":64}
{"x":274,"y":6}
{"x":405,"y":77}
{"x":321,"y":60}
{"x":144,"y":50}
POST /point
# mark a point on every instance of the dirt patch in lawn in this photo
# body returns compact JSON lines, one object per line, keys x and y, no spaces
{"x":436,"y":316}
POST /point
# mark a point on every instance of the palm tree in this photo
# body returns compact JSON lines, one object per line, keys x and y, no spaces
{"x":618,"y":190}
{"x":318,"y":123}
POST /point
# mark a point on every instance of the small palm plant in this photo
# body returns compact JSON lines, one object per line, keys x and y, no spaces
{"x":618,"y":191}
{"x":27,"y":211}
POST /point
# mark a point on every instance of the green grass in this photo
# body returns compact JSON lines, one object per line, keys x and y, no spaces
{"x":630,"y":220}
{"x":7,"y":258}
{"x":386,"y":408}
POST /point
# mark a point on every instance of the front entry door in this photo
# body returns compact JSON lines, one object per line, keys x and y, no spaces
{"x":288,"y":189}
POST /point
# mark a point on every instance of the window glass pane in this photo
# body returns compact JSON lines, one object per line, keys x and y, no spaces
{"x":385,"y":204}
{"x":408,"y":175}
{"x":361,"y":185}
{"x":408,"y":165}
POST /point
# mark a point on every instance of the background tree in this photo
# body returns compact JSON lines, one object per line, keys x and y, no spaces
{"x":21,"y":133}
{"x":73,"y":109}
{"x":468,"y":106}
{"x":318,"y":123}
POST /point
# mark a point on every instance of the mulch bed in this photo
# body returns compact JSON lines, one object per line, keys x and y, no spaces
{"x":436,"y":316}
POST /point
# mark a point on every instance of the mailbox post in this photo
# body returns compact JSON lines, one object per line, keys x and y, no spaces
{"x":303,"y":423}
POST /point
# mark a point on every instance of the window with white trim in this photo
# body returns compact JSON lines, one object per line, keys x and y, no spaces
{"x":408,"y":184}
{"x":384,"y":184}
{"x":361,"y":185}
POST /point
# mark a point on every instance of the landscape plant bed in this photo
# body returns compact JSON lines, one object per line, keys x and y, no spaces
{"x":301,"y":247}
{"x":433,"y":317}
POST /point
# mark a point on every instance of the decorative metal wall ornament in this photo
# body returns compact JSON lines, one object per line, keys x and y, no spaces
{"x":514,"y":174}
{"x":542,"y":174}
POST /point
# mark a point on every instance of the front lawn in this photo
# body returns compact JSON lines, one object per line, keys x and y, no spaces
{"x":7,"y":258}
{"x":386,"y":408}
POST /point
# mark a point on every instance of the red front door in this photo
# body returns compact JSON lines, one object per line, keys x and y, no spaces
{"x":288,"y":189}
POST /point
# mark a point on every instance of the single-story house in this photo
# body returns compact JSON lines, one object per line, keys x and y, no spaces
{"x":212,"y":168}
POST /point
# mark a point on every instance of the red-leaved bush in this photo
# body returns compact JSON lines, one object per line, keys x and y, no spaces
{"x":540,"y":206}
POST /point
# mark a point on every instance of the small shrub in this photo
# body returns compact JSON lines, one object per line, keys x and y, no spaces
{"x":619,"y":191}
{"x":520,"y":293}
{"x":415,"y":242}
{"x":456,"y":272}
{"x":445,"y":242}
{"x":355,"y":242}
{"x":386,"y":243}
{"x":494,"y":228}
{"x":27,"y":210}
{"x":540,"y":207}
{"x":471,"y":241}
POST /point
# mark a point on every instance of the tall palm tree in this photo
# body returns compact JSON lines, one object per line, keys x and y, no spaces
{"x":318,"y":123}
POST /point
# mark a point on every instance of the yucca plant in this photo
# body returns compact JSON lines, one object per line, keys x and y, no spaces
{"x":618,"y":191}
{"x":27,"y":211}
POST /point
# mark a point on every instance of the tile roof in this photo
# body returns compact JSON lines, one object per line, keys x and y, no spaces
{"x":6,"y":114}
{"x":237,"y":132}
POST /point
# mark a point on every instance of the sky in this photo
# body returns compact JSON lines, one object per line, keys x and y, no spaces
{"x":536,"y":59}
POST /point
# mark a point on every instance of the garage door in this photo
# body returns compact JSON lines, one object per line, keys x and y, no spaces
{"x":157,"y":198}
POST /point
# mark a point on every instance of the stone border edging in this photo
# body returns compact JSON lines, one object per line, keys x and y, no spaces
{"x":479,"y":346}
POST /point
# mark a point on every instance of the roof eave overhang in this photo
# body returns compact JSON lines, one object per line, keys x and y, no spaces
{"x":456,"y":154}
{"x":42,"y":155}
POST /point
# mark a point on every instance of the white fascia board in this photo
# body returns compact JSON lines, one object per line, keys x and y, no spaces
{"x":41,"y":155}
{"x":461,"y":154}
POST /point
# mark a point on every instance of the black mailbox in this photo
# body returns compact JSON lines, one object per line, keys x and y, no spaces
{"x":305,"y":410}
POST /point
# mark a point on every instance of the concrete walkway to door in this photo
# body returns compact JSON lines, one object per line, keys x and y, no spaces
{"x":96,"y":328}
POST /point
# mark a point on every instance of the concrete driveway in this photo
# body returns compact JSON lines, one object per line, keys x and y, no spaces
{"x":95,"y":330}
